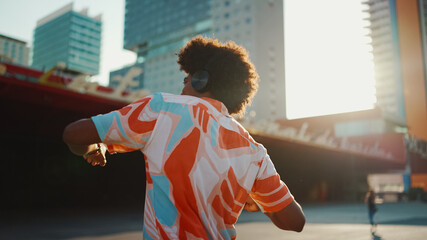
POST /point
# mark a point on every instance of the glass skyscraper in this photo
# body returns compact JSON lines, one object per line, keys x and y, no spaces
{"x":70,"y":37}
{"x":156,"y":30}
{"x":398,"y":32}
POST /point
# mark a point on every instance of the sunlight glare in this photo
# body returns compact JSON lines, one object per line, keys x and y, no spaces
{"x":328,"y":63}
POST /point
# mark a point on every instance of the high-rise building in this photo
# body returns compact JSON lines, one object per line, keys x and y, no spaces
{"x":157,"y":30}
{"x":118,"y":74}
{"x":259,"y":27}
{"x":398,"y":32}
{"x":70,"y":37}
{"x":13,"y":50}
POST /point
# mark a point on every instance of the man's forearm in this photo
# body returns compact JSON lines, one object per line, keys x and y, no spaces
{"x":290,"y":218}
{"x":284,"y":225}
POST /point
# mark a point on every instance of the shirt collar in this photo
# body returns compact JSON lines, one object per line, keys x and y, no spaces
{"x":217,"y":104}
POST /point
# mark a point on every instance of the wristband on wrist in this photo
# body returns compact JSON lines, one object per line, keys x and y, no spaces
{"x":98,"y":150}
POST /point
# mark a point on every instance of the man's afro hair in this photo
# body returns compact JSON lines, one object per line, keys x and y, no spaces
{"x":233,"y":79}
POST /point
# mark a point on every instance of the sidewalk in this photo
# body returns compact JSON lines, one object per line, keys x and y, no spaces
{"x":339,"y":221}
{"x":314,"y":231}
{"x":318,"y":231}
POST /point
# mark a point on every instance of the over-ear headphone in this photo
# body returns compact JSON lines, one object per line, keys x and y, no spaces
{"x":200,"y":80}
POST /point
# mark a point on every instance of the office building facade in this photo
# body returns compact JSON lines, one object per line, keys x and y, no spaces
{"x":13,"y":50}
{"x":398,"y":32}
{"x":259,"y":27}
{"x":118,"y":74}
{"x":70,"y":37}
{"x":157,"y":30}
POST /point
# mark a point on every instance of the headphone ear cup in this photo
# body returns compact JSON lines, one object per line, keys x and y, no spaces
{"x":200,"y":80}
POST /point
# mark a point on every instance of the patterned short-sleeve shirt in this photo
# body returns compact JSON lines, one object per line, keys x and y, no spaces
{"x":201,"y":165}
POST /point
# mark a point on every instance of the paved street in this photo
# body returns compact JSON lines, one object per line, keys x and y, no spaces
{"x":317,"y":231}
{"x":312,"y":231}
{"x":335,"y":221}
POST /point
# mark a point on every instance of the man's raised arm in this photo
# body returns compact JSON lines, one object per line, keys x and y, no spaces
{"x":82,"y":139}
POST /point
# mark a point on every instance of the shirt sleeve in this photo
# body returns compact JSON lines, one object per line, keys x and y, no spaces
{"x":127,"y":129}
{"x":269,"y":191}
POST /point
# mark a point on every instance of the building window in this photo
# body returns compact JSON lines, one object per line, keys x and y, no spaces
{"x":140,"y":59}
{"x":13,"y":50}
{"x":273,"y":102}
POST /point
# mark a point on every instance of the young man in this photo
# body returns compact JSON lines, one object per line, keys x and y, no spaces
{"x":202,"y":166}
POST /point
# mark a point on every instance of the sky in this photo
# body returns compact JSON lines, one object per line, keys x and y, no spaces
{"x":328,"y":65}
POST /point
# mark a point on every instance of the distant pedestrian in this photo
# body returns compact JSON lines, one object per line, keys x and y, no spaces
{"x":372,"y":207}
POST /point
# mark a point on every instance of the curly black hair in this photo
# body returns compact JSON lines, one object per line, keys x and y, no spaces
{"x":233,"y":79}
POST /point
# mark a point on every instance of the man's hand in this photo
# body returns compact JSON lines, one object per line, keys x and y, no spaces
{"x":97,"y":157}
{"x":250,"y":205}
